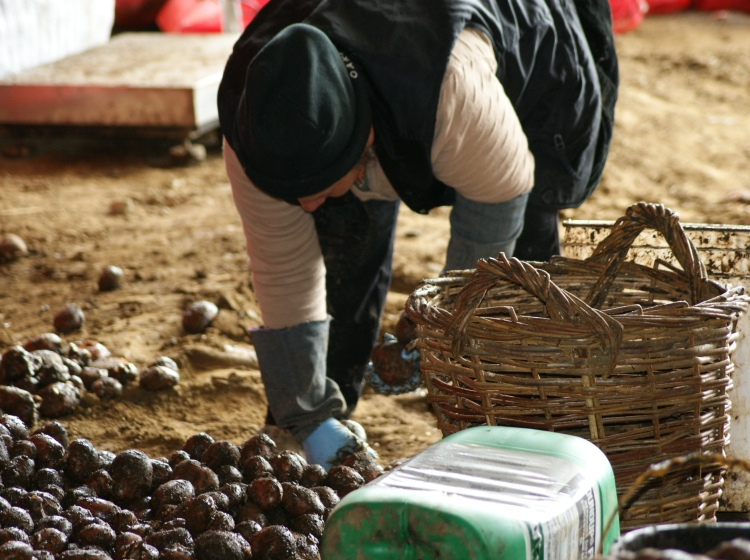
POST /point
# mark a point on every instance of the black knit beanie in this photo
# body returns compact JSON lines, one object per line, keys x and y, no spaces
{"x":304,"y":118}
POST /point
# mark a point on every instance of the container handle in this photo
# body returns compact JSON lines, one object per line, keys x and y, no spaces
{"x":614,"y":248}
{"x":561,"y":305}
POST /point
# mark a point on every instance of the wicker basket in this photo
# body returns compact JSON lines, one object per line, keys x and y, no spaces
{"x":635,"y":359}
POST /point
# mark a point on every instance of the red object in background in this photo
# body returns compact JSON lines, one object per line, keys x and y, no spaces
{"x":712,"y":5}
{"x":200,"y":16}
{"x":627,"y":14}
{"x":136,"y":14}
{"x":668,"y":6}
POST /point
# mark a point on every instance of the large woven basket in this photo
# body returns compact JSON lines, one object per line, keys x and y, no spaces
{"x":635,"y":359}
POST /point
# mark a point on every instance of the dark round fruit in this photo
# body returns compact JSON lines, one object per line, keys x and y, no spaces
{"x":255,"y":467}
{"x":298,"y":500}
{"x":344,"y":480}
{"x":97,"y":534}
{"x":308,"y":524}
{"x":259,"y":444}
{"x":235,"y":493}
{"x":287,"y":466}
{"x":221,"y":544}
{"x":99,"y":508}
{"x":90,"y":374}
{"x":110,"y":278}
{"x":158,"y":378}
{"x":15,"y":426}
{"x":107,"y":388}
{"x":49,"y":539}
{"x":198,"y":316}
{"x":166,"y":361}
{"x":23,"y":447}
{"x":124,"y":539}
{"x":251,"y":512}
{"x":13,"y":534}
{"x":327,"y":495}
{"x":101,"y":483}
{"x":55,"y":522}
{"x":247,"y":529}
{"x":228,"y":474}
{"x":83,"y":460}
{"x":170,"y":538}
{"x":16,"y":550}
{"x":173,"y":492}
{"x":20,"y":518}
{"x":133,"y":474}
{"x":16,"y":363}
{"x":178,"y":457}
{"x":49,"y":452}
{"x":197,"y":512}
{"x":266,"y":492}
{"x":19,"y":403}
{"x":196,"y":445}
{"x":202,"y":478}
{"x":388,"y":363}
{"x":19,"y":472}
{"x":274,"y":542}
{"x":313,"y":475}
{"x":58,"y":399}
{"x":70,"y":318}
{"x":49,"y":368}
{"x":55,"y":430}
{"x":221,"y":521}
{"x":405,"y":329}
{"x":46,"y":341}
{"x":47,"y":477}
{"x":221,"y":453}
{"x":364,"y":464}
{"x":162,"y":473}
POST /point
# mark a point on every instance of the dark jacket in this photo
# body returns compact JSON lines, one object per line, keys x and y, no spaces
{"x":563,"y":94}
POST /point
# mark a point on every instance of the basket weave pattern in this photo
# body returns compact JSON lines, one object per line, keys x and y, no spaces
{"x":635,"y":359}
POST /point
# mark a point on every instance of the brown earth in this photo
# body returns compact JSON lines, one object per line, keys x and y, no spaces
{"x":682,"y":139}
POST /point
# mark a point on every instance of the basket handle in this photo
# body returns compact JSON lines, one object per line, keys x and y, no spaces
{"x":561,"y":305}
{"x":614,"y":248}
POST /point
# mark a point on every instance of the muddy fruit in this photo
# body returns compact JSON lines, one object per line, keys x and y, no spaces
{"x":12,"y":247}
{"x":308,"y":524}
{"x":364,"y":464}
{"x":255,"y":467}
{"x":23,"y":447}
{"x":132,"y":473}
{"x":201,"y":477}
{"x":55,"y":430}
{"x":49,"y":452}
{"x":49,"y":539}
{"x":15,"y":364}
{"x":166,"y":362}
{"x":252,"y":512}
{"x":260,"y":444}
{"x":48,"y":477}
{"x":49,"y":367}
{"x":96,"y":350}
{"x":273,"y":543}
{"x":228,"y":474}
{"x":390,"y":365}
{"x":197,"y":512}
{"x":170,"y":538}
{"x":174,"y":492}
{"x":19,"y":403}
{"x":99,"y":508}
{"x":298,"y":500}
{"x":247,"y":529}
{"x":307,"y":547}
{"x":221,"y":521}
{"x":58,"y":399}
{"x":235,"y":493}
{"x":91,"y":374}
{"x":344,"y":480}
{"x":16,"y":550}
{"x":198,"y":316}
{"x":17,"y":517}
{"x":46,"y":341}
{"x":13,"y":534}
{"x":177,"y":457}
{"x":137,"y":551}
{"x":221,"y":453}
{"x":110,"y":278}
{"x":405,"y":329}
{"x":158,"y":378}
{"x":70,"y":318}
{"x":221,"y":544}
{"x":313,"y":475}
{"x":107,"y":388}
{"x":287,"y":466}
{"x":101,"y":482}
{"x":82,"y":461}
{"x":97,"y":534}
{"x":162,"y":473}
{"x":266,"y":492}
{"x":15,"y":426}
{"x":197,"y":445}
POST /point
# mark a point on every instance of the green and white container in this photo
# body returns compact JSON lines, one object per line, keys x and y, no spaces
{"x":483,"y":493}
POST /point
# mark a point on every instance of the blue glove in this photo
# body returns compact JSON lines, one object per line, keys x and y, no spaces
{"x":331,"y":443}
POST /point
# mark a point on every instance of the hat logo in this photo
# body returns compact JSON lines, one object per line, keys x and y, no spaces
{"x":349,"y":65}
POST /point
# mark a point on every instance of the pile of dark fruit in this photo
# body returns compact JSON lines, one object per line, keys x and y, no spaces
{"x":209,"y":500}
{"x":49,"y":376}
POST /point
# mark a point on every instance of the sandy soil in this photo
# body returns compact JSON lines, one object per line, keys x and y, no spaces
{"x":682,"y":139}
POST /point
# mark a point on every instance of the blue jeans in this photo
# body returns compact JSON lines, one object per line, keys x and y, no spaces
{"x":357,"y":243}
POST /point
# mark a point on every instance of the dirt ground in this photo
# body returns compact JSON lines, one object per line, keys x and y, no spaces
{"x":682,"y":139}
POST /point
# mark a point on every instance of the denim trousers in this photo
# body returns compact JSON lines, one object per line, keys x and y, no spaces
{"x":356,"y":239}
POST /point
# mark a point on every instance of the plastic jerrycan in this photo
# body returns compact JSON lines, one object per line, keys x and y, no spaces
{"x":483,"y":493}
